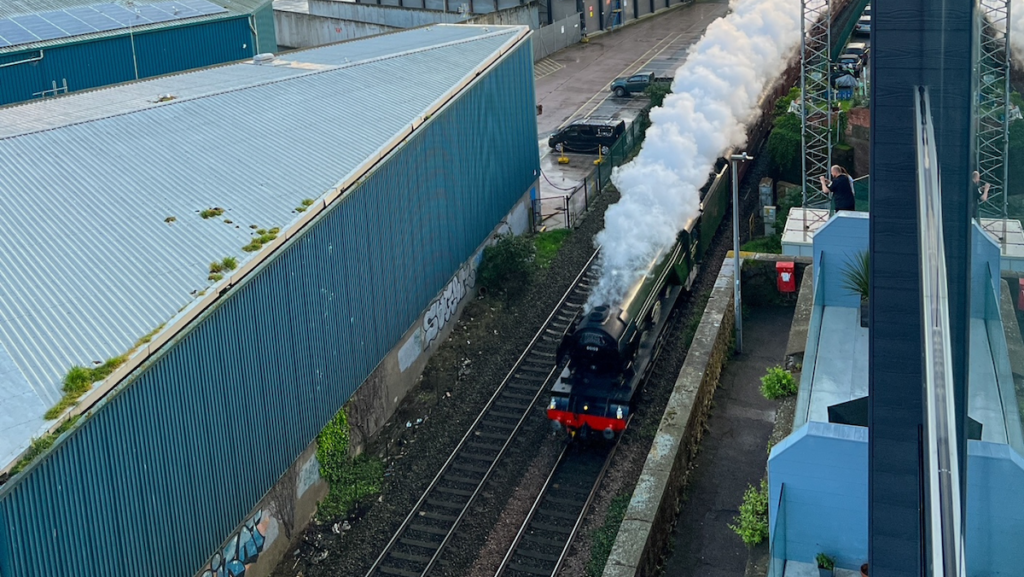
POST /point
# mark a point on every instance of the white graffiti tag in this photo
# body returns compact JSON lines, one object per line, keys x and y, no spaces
{"x":442,"y":309}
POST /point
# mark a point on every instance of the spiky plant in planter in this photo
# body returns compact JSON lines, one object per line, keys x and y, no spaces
{"x":857,"y":279}
{"x":826,"y":565}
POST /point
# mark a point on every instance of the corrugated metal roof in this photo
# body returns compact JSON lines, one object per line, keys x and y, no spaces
{"x":10,"y":8}
{"x":88,"y":264}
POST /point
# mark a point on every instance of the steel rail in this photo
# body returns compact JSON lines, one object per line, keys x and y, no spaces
{"x":469,"y":433}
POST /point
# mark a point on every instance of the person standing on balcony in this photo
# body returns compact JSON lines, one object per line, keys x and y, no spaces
{"x":840,"y":188}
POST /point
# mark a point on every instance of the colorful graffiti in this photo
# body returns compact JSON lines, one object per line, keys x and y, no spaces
{"x":242,"y":550}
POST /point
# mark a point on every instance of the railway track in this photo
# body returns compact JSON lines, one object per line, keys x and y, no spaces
{"x":542,"y":542}
{"x":414,"y":549}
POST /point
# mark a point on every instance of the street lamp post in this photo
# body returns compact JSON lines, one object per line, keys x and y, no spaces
{"x":737,"y":302}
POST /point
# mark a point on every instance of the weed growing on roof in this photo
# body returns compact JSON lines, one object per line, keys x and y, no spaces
{"x":229,"y":263}
{"x":254,"y":226}
{"x":148,"y":336}
{"x":79,"y":380}
{"x":306,"y":203}
{"x":216,"y":267}
{"x":215,"y":277}
{"x":40,"y":445}
{"x":228,"y":222}
{"x":170,"y":219}
{"x":265,"y":237}
{"x":211,"y":212}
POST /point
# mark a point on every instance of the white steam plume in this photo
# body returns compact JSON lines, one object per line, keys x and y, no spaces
{"x":1017,"y":31}
{"x":714,"y":95}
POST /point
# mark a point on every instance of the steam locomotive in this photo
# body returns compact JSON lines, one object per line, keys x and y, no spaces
{"x":611,"y":349}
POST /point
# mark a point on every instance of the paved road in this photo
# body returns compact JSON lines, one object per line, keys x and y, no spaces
{"x":573,"y":83}
{"x":733,"y":454}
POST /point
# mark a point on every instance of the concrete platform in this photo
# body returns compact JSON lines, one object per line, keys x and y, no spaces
{"x":798,"y":237}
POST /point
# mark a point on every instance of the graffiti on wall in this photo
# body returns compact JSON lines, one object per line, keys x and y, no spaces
{"x":243,"y":549}
{"x":444,"y":307}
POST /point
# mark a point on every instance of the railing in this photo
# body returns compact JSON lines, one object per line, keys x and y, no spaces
{"x":1009,"y":404}
{"x":943,"y":521}
{"x":577,"y":198}
{"x":803,"y":397}
{"x":777,"y":546}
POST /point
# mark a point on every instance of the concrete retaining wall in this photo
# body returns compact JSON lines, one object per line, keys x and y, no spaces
{"x":300,"y":30}
{"x":646,"y":528}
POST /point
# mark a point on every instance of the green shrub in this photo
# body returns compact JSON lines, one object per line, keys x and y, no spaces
{"x":752,"y":522}
{"x":857,"y":275}
{"x":778,"y":383}
{"x":825,"y":562}
{"x":658,"y":92}
{"x":508,"y":265}
{"x":603,"y":538}
{"x":351,"y":480}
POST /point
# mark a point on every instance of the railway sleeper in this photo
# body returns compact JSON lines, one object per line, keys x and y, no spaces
{"x":429,"y":530}
{"x":514,"y":406}
{"x":484,"y":446}
{"x":528,"y":569}
{"x":559,"y":514}
{"x":536,"y":555}
{"x":538,"y":367}
{"x":486,"y":435}
{"x":438,"y":517}
{"x":446,"y":504}
{"x":468,"y":467}
{"x":475,"y":457}
{"x":420,"y":544}
{"x":551,"y":528}
{"x":394,"y":571}
{"x":518,"y":396}
{"x":544,"y":541}
{"x":453,"y":491}
{"x":505,"y":415}
{"x":461,"y":479}
{"x":408,"y":557}
{"x":562,"y":501}
{"x":531,"y":377}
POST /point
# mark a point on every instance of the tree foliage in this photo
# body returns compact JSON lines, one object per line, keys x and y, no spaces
{"x":657,"y":93}
{"x":351,"y":480}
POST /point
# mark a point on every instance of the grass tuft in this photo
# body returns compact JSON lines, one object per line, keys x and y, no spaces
{"x":211,"y":212}
{"x":215,"y":277}
{"x":216,"y":267}
{"x":79,"y":380}
{"x":40,"y":445}
{"x":170,"y":219}
{"x":547,"y":245}
{"x":603,"y":538}
{"x":229,"y":263}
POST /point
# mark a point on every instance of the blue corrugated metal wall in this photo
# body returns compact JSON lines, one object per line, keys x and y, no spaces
{"x":157,"y":478}
{"x":90,"y":64}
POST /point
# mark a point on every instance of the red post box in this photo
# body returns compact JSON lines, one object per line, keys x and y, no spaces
{"x":1020,"y":294}
{"x":787,"y":276}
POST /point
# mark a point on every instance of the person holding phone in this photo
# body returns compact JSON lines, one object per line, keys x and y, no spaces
{"x":840,"y":188}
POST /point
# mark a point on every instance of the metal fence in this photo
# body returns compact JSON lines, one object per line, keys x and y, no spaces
{"x":576,"y":201}
{"x":550,"y":39}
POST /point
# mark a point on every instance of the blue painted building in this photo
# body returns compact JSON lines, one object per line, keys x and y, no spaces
{"x":818,"y":476}
{"x":60,"y":46}
{"x":350,"y":183}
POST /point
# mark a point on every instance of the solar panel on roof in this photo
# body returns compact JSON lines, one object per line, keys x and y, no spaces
{"x":93,"y":18}
{"x":204,"y":7}
{"x":178,"y":9}
{"x":154,"y":14}
{"x":38,"y":26}
{"x":70,"y":25}
{"x":15,"y":34}
{"x":98,"y":18}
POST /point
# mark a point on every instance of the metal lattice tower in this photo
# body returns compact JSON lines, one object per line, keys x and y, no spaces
{"x":816,"y":99}
{"x":993,"y":105}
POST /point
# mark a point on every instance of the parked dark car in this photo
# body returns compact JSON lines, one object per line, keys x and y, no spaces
{"x":588,"y":134}
{"x":636,"y":83}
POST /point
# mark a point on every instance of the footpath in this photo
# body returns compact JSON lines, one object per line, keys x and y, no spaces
{"x":733,"y":454}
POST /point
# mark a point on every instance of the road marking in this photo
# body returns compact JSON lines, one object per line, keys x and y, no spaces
{"x":545,"y":66}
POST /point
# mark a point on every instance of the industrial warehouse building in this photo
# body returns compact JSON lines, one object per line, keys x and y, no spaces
{"x":51,"y":47}
{"x":355,"y":185}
